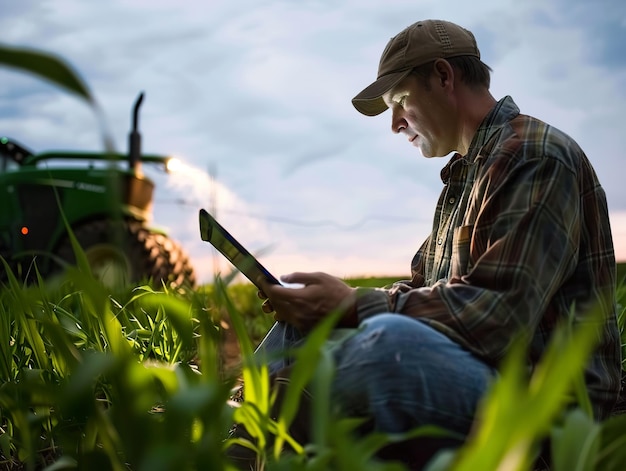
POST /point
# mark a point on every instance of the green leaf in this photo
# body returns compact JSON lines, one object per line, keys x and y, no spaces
{"x":613,"y":451}
{"x":57,"y":71}
{"x":63,"y":463}
{"x":533,"y":407}
{"x":46,"y":66}
{"x":576,"y":446}
{"x":5,"y":444}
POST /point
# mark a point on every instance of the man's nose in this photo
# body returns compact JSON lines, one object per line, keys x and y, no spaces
{"x":398,"y":123}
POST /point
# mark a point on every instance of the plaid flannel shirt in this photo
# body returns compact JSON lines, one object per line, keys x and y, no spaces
{"x":520,"y":241}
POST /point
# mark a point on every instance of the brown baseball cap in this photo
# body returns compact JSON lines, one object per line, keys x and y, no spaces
{"x":418,"y":44}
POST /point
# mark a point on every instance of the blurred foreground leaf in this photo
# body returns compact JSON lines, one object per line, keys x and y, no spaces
{"x":56,"y":70}
{"x":518,"y":414}
{"x":46,"y":66}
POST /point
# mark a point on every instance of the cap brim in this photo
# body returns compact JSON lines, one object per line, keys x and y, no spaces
{"x":370,"y":102}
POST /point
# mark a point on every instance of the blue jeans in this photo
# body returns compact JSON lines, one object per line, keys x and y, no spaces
{"x":399,"y":372}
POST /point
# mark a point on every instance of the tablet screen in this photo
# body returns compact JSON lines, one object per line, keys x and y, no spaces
{"x":211,"y":231}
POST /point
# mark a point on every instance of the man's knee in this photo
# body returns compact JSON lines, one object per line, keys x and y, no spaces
{"x":396,"y":330}
{"x":405,"y":373}
{"x":394,"y":322}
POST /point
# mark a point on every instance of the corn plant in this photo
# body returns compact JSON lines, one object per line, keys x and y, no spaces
{"x":95,"y":379}
{"x":90,"y":383}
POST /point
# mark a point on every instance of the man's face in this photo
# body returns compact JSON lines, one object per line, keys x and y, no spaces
{"x":424,"y":114}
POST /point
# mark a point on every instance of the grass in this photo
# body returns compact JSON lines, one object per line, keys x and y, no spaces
{"x":132,"y":380}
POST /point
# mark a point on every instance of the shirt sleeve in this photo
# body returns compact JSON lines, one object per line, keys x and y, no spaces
{"x":522,"y":243}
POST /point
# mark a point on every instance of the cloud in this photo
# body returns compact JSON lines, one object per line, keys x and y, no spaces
{"x":260,"y":92}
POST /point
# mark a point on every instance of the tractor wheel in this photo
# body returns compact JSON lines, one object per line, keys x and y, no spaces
{"x":123,"y":252}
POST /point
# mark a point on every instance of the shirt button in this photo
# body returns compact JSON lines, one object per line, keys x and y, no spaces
{"x":439,"y":241}
{"x":452,"y":200}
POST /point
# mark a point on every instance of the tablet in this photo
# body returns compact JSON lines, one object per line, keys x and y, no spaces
{"x":211,"y":231}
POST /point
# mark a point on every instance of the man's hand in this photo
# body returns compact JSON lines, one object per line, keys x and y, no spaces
{"x":304,"y":307}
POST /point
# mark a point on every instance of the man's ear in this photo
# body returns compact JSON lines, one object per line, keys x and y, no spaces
{"x":444,"y":73}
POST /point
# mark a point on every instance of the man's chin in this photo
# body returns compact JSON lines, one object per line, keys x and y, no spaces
{"x":426,"y":152}
{"x":431,"y":154}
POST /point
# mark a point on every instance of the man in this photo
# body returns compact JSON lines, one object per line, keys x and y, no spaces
{"x":521,"y":237}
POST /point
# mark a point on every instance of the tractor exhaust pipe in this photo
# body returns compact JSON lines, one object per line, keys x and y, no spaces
{"x":134,"y":139}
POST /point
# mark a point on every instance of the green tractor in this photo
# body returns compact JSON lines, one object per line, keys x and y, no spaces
{"x":107,"y":202}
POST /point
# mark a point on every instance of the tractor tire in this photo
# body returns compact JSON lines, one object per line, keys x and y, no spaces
{"x":126,"y":252}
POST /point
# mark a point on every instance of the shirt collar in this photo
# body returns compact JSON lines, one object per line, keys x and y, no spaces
{"x":503,"y":112}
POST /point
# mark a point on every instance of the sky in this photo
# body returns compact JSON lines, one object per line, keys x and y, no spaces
{"x":255,"y":97}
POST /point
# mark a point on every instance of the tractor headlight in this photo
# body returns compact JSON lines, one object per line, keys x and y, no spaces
{"x":173,"y":164}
